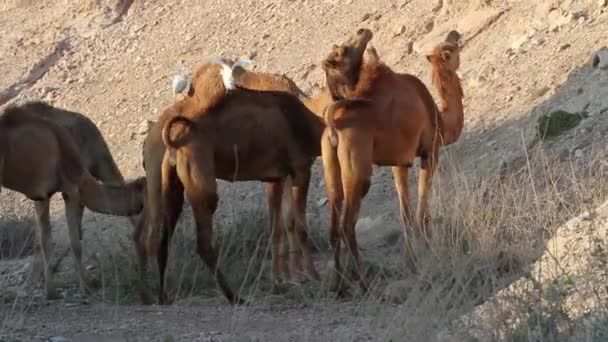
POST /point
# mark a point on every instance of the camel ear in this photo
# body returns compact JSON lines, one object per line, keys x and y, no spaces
{"x":428,"y":58}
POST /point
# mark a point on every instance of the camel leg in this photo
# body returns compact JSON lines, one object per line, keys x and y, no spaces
{"x":73,"y":213}
{"x":355,"y":155}
{"x":203,"y":214}
{"x":303,"y":243}
{"x":400,"y":174}
{"x":142,"y":256}
{"x":197,"y":174}
{"x":44,"y":227}
{"x":335,"y":197}
{"x":279,"y":266}
{"x":427,"y":169}
{"x":172,"y":201}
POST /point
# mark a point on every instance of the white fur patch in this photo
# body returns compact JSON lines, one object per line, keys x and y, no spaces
{"x":227,"y":76}
{"x":180,"y":83}
{"x":227,"y":72}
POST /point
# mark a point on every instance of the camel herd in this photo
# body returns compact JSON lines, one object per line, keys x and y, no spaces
{"x":236,"y":125}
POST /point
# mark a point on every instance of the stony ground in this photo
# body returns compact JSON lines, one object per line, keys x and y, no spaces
{"x":520,"y":60}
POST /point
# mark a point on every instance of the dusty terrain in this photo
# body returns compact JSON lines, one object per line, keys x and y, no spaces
{"x":521,"y":59}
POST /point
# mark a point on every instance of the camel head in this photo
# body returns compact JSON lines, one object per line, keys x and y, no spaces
{"x":348,"y":56}
{"x":447,"y":53}
{"x":344,"y":61}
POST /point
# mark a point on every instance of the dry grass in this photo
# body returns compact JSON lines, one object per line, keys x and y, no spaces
{"x":485,"y":234}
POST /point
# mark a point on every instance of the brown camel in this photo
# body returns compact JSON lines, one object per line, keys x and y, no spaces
{"x":38,"y":159}
{"x":445,"y":61}
{"x":205,"y":90}
{"x":93,"y":148}
{"x":277,"y":138}
{"x":383,"y":118}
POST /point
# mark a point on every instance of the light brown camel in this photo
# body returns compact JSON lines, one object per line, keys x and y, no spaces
{"x":39,"y":158}
{"x":161,"y":219}
{"x":93,"y":148}
{"x":383,"y":118}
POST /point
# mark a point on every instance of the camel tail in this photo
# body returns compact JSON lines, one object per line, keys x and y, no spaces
{"x":182,"y":135}
{"x":329,"y":115}
{"x":118,"y":200}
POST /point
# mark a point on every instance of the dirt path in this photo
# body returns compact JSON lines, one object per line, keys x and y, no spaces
{"x":206,"y":322}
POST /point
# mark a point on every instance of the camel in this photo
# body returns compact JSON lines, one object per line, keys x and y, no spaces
{"x":385,"y":118}
{"x":38,"y":159}
{"x":161,"y":213}
{"x":93,"y":148}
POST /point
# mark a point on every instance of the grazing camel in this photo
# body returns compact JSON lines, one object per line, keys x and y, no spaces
{"x":161,"y":218}
{"x":39,"y":158}
{"x":93,"y":148}
{"x":385,"y":118}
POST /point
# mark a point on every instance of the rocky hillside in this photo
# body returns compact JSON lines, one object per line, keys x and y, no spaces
{"x":114,"y":61}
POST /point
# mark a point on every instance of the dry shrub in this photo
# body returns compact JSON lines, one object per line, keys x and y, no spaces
{"x":17,"y":237}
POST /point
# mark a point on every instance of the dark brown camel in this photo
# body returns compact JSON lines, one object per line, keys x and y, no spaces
{"x":206,"y":88}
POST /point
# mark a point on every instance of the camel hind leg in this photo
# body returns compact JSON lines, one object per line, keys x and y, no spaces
{"x":299,"y":231}
{"x":73,"y":213}
{"x":172,"y":201}
{"x":427,"y":169}
{"x":142,"y":256}
{"x":335,"y":197}
{"x":44,"y":239}
{"x":279,"y":266}
{"x":355,"y":155}
{"x":400,"y":175}
{"x":196,"y":172}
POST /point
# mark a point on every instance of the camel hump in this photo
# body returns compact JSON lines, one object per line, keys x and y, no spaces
{"x":69,"y":159}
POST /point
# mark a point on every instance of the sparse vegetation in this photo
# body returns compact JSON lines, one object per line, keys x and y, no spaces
{"x":557,"y":122}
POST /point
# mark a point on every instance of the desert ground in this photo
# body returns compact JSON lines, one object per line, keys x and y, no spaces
{"x":519,"y":225}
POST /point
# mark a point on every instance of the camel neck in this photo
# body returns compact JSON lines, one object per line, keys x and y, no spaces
{"x":451,"y":107}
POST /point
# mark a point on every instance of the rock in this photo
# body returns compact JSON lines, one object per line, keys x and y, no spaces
{"x":564,"y":47}
{"x":600,"y":59}
{"x":519,"y":42}
{"x":144,"y":127}
{"x":558,"y":19}
{"x":322,"y":202}
{"x":57,"y":339}
{"x":397,"y":291}
{"x":399,"y":30}
{"x":409,"y":48}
